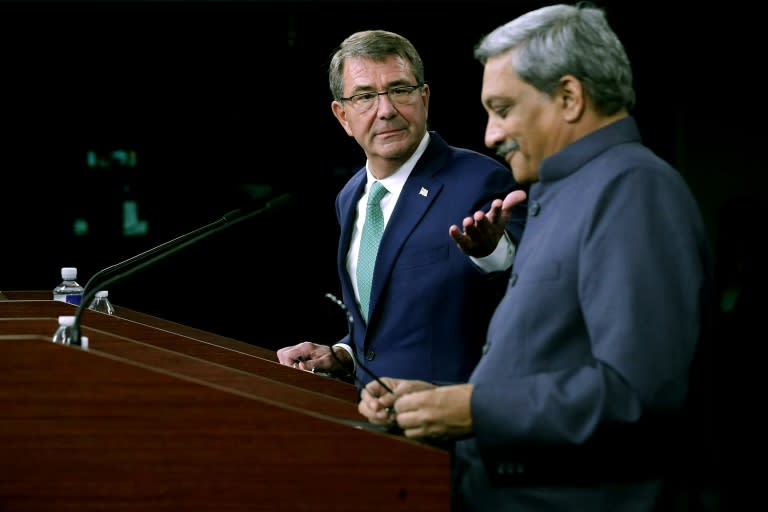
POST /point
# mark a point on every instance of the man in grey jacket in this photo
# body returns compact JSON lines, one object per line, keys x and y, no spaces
{"x":585,"y":373}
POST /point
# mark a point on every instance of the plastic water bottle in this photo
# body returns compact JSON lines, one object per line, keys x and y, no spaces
{"x":63,"y":333}
{"x":102,"y":304}
{"x":69,"y":290}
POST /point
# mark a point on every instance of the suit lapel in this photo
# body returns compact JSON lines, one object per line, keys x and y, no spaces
{"x":348,"y":215}
{"x":419,"y":192}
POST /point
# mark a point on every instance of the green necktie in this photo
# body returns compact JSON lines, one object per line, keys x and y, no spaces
{"x":369,"y":245}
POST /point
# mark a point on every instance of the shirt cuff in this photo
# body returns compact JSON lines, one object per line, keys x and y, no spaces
{"x":351,"y":355}
{"x":500,"y":259}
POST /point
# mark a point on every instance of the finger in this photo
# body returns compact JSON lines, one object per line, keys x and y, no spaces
{"x":494,"y":210}
{"x":374,"y":389}
{"x":289,"y":356}
{"x":482,"y":232}
{"x":283,"y":357}
{"x":386,"y":401}
{"x":363,"y":408}
{"x":471,"y":231}
{"x":513,"y":198}
{"x":384,"y":416}
{"x":379,"y":418}
{"x":455,"y":233}
{"x":459,"y":236}
{"x":410,"y":421}
{"x":368,"y":401}
{"x":318,"y":366}
{"x":374,"y":415}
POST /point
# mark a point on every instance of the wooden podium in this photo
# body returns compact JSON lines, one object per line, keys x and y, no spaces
{"x":155,"y":415}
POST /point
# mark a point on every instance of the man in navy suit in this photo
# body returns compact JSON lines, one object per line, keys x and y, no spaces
{"x":429,"y":303}
{"x":578,"y":401}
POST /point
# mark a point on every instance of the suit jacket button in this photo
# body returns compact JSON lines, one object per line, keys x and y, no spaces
{"x":512,"y":279}
{"x":370,"y":354}
{"x":486,"y":347}
{"x":534,"y":208}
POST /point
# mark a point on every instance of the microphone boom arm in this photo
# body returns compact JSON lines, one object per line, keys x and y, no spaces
{"x":155,"y":254}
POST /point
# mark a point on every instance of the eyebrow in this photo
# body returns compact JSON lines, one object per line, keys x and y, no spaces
{"x":367,"y":88}
{"x":498,"y":99}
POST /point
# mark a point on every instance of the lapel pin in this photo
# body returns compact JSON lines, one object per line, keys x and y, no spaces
{"x":423,"y":192}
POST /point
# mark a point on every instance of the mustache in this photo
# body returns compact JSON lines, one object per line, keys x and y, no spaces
{"x":507,"y":148}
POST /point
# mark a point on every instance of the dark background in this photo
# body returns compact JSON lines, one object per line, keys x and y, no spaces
{"x":224,"y":102}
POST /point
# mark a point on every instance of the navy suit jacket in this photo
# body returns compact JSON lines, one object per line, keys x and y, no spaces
{"x":429,"y":306}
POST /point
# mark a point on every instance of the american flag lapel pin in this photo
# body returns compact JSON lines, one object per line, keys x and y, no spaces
{"x":423,"y":192}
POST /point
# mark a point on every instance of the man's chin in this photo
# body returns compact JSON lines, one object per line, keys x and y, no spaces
{"x":395,"y":146}
{"x":524,"y":176}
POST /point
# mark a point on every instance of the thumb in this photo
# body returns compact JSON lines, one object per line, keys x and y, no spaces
{"x":507,"y":206}
{"x":513,"y":198}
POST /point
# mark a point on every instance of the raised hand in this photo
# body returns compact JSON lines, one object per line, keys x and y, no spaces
{"x":480,"y":233}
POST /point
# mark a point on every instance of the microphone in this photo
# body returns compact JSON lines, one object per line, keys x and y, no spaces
{"x":110,"y":275}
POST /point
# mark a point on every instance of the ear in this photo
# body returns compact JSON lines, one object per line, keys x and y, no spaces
{"x":570,"y":94}
{"x":338,"y":111}
{"x":425,"y":93}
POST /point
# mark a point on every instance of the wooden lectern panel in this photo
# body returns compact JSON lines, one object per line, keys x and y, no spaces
{"x":171,"y":336}
{"x":133,"y":424}
{"x":192,"y":368}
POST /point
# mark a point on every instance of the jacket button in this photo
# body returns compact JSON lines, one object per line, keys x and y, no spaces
{"x":370,"y":354}
{"x":512,"y":279}
{"x":534,"y":207}
{"x":486,"y":347}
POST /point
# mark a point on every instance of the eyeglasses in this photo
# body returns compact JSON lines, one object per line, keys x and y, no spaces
{"x":400,"y":95}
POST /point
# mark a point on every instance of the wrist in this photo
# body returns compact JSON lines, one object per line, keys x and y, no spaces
{"x":342,"y":356}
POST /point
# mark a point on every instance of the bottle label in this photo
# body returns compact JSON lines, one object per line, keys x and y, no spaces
{"x":74,"y":299}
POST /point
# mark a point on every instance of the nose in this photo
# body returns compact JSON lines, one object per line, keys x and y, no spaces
{"x":384,"y":105}
{"x":494,"y":136}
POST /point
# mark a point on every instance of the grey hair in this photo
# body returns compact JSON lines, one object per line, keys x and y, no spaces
{"x":559,"y":40}
{"x":377,"y":45}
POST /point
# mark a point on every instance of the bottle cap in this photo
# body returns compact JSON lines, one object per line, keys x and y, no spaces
{"x":69,"y":273}
{"x":68,"y":320}
{"x":102,"y":294}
